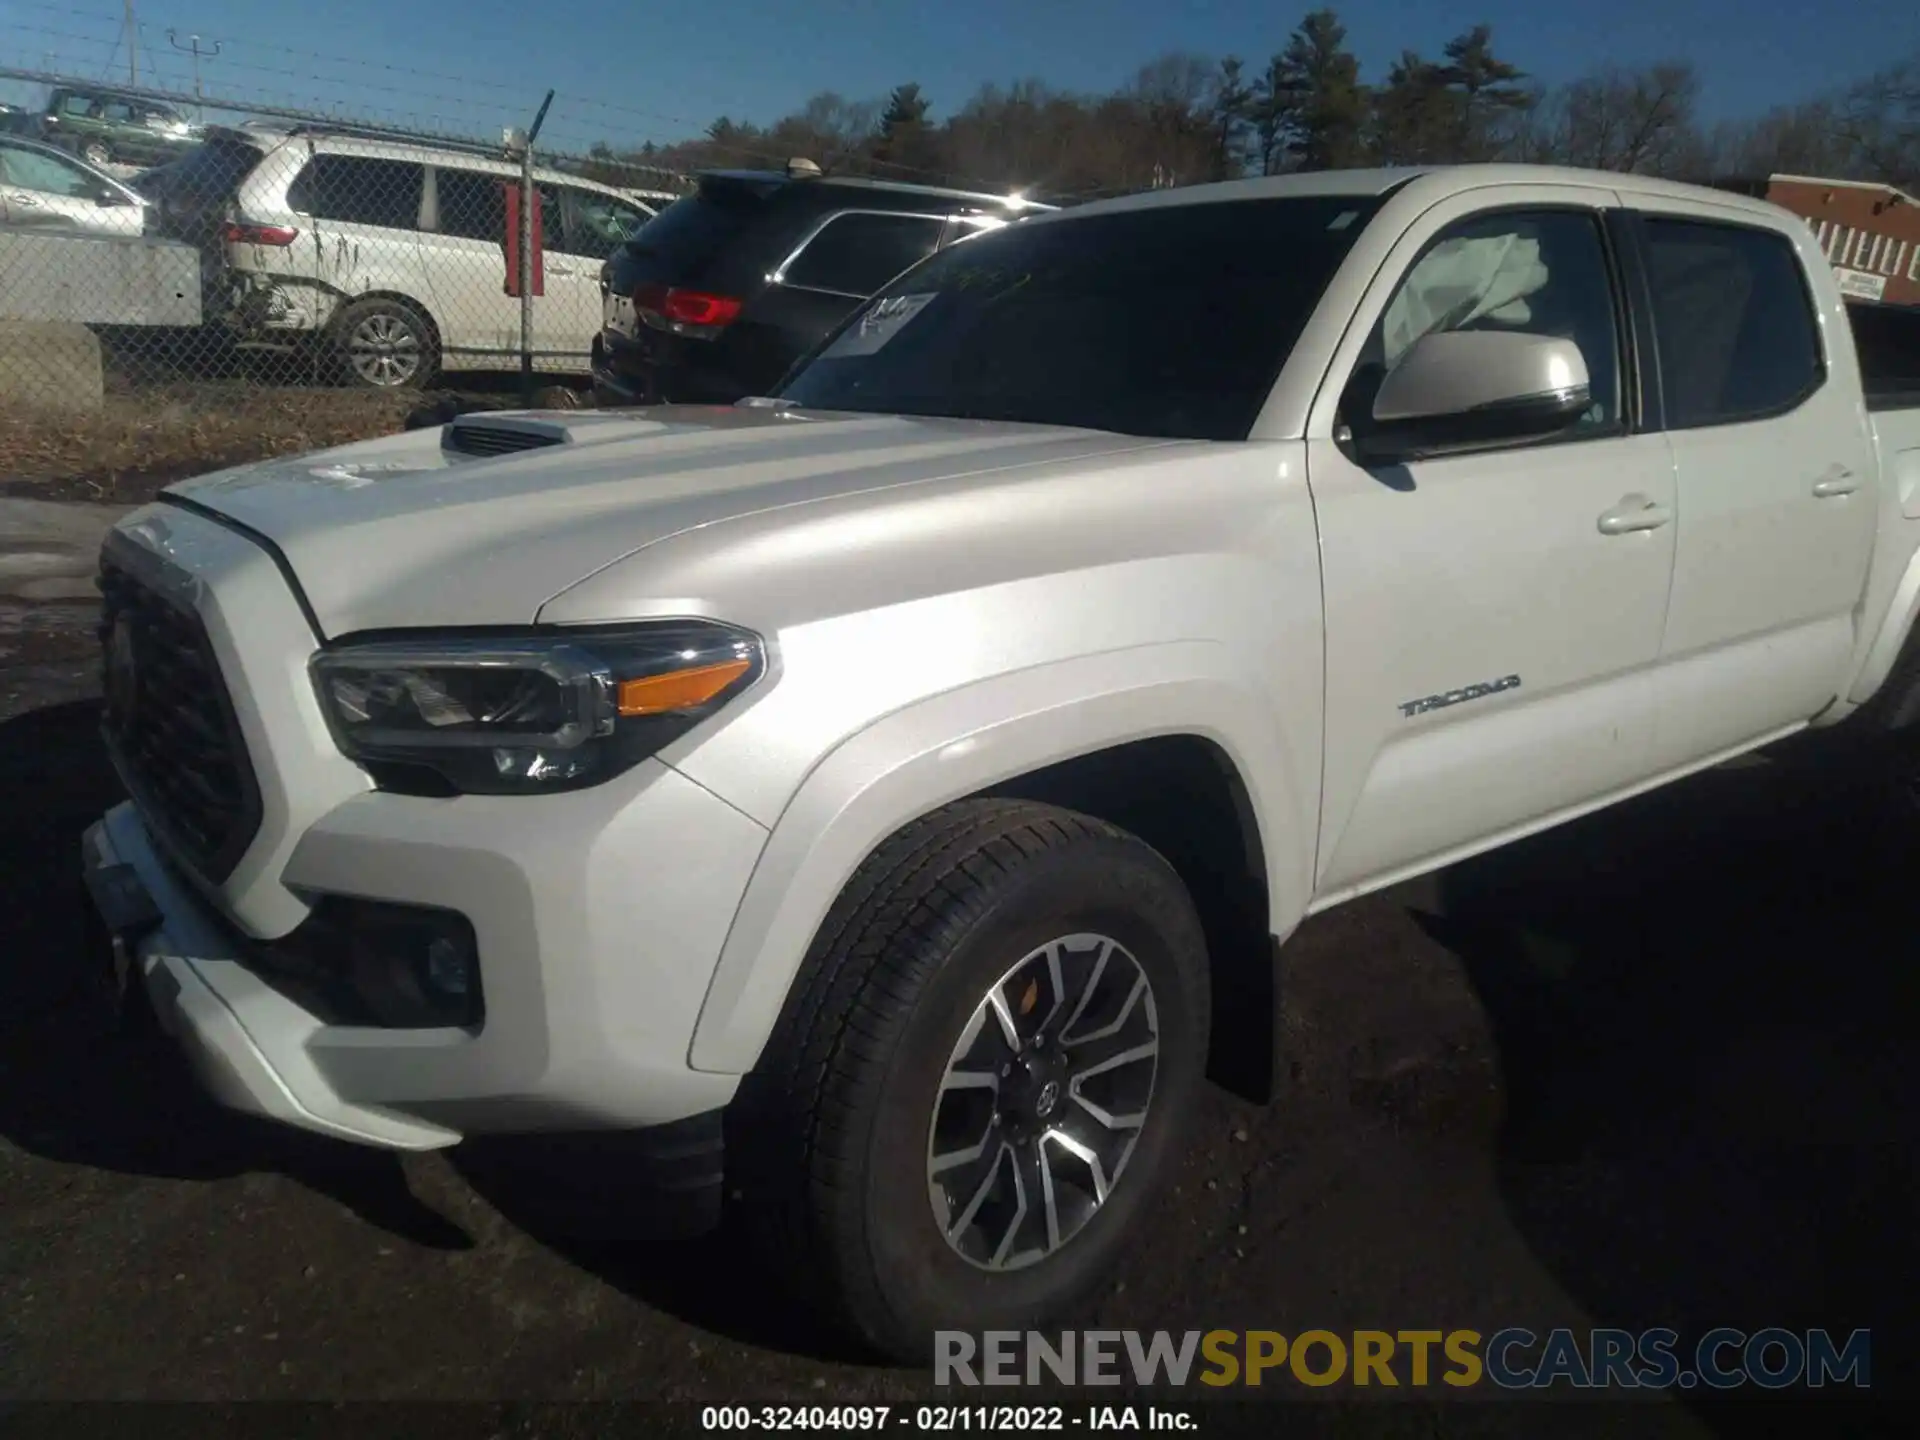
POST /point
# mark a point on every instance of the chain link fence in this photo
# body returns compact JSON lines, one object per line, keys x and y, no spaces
{"x":188,"y":281}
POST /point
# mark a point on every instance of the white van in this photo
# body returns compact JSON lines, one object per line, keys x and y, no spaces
{"x":389,"y":252}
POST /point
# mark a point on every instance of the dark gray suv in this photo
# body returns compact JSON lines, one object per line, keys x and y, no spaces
{"x":716,"y":297}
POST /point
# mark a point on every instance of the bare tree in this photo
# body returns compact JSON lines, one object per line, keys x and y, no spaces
{"x":1640,"y":121}
{"x":1880,"y":122}
{"x":1792,"y":139}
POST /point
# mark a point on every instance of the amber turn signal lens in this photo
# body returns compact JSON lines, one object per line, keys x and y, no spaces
{"x":679,"y":689}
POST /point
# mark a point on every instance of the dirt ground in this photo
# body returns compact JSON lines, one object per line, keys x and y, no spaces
{"x":1654,"y":1068}
{"x":148,"y":436}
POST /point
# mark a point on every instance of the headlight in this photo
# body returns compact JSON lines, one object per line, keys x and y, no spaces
{"x":527,"y":713}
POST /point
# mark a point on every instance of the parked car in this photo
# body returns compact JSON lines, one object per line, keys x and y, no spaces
{"x":716,"y":298}
{"x":45,"y":188}
{"x":389,"y":252}
{"x":894,"y":789}
{"x":104,"y":126}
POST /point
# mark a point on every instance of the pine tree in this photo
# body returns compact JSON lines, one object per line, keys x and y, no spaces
{"x":1412,"y":121}
{"x":1485,"y":92}
{"x":1311,"y":111}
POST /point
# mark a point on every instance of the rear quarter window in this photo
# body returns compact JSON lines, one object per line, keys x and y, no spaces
{"x":857,"y":254}
{"x":208,"y":175}
{"x":698,"y":232}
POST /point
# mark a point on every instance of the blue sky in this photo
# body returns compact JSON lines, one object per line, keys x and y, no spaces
{"x":660,"y":71}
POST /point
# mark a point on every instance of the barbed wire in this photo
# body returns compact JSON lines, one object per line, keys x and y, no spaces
{"x":585,"y":133}
{"x":504,"y":111}
{"x":687,"y":128}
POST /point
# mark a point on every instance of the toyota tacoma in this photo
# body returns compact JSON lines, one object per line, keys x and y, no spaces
{"x":892,"y":790}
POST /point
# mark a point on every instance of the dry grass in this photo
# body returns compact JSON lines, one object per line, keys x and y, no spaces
{"x":144,"y":440}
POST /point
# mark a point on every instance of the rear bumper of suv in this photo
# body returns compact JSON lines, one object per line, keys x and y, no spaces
{"x":674,"y":372}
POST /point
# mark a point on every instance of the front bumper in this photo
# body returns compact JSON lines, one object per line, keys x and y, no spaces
{"x":596,"y":940}
{"x":598,"y":915}
{"x":246,"y":1044}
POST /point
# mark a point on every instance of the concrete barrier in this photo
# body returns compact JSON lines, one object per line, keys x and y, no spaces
{"x":98,"y":279}
{"x":49,"y":366}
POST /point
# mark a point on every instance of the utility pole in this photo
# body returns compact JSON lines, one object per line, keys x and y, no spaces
{"x":193,"y":48}
{"x":133,"y":49}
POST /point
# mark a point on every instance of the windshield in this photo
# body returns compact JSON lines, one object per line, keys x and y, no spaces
{"x":1166,"y":321}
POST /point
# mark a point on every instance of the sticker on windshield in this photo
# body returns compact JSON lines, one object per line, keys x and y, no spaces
{"x":882,"y":321}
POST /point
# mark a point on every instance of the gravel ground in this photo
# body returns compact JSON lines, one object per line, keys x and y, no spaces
{"x":1655,"y":1068}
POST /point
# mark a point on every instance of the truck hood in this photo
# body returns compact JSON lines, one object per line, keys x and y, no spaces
{"x":484,"y":521}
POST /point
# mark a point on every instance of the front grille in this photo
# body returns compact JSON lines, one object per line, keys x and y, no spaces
{"x":170,"y":726}
{"x":494,"y":439}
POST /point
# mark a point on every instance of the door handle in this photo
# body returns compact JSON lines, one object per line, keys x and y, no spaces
{"x":1633,"y":513}
{"x":1837,"y":481}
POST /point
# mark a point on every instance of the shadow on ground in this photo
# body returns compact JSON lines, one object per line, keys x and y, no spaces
{"x":597,"y":1201}
{"x":1704,"y":1006}
{"x":75,"y":1089}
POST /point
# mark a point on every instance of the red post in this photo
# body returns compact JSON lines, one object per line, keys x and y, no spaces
{"x":511,"y":190}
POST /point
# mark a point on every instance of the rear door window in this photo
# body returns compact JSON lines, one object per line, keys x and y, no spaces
{"x":360,"y":191}
{"x":473,"y":204}
{"x":859,"y":252}
{"x":598,"y":224}
{"x":1733,"y":322}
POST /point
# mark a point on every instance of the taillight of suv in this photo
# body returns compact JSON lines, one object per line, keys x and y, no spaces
{"x":237,"y":232}
{"x":694,"y":314}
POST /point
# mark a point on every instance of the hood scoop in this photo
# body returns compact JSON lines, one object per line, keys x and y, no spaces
{"x":501,"y":436}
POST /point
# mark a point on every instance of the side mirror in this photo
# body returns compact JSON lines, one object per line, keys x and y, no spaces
{"x":114,"y":197}
{"x":1475,"y":387}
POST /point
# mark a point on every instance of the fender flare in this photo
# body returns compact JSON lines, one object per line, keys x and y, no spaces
{"x":960,"y":742}
{"x":1896,"y":630}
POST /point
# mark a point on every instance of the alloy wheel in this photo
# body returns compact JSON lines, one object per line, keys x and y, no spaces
{"x":384,"y":350}
{"x":1042,"y":1101}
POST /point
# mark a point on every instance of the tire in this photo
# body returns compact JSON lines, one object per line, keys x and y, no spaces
{"x":384,"y":344}
{"x":94,"y":153}
{"x":837,"y":1132}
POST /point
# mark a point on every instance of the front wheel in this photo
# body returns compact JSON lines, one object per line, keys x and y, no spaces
{"x":95,"y":154}
{"x":982,"y":1076}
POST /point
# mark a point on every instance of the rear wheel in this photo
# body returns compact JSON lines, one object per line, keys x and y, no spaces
{"x":384,"y":344}
{"x":981,"y":1078}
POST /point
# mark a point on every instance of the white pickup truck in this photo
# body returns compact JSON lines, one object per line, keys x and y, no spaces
{"x":890,"y":793}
